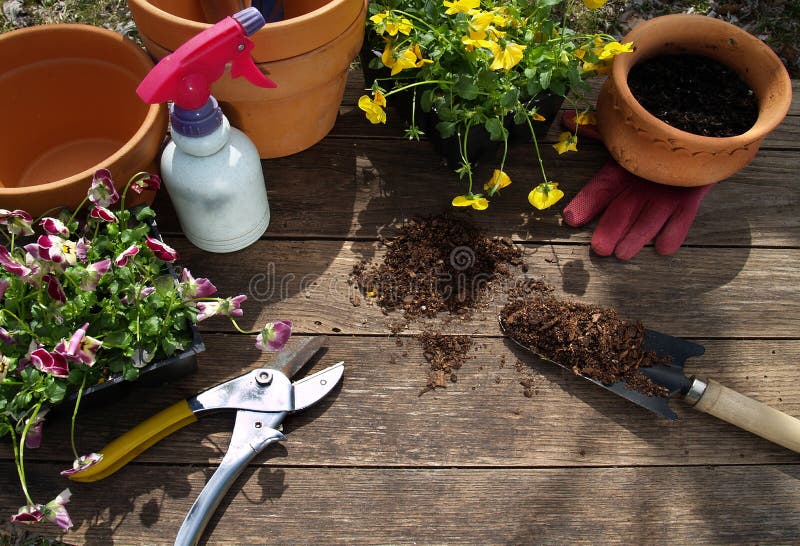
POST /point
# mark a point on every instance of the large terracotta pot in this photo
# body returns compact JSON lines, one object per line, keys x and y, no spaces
{"x":656,"y":151}
{"x":69,"y":107}
{"x":308,"y":55}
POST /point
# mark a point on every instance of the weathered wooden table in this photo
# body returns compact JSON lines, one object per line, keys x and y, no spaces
{"x":477,"y":462}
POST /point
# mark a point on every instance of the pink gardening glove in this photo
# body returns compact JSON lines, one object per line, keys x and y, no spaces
{"x":636,"y":210}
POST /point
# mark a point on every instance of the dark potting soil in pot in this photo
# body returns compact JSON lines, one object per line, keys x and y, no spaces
{"x":592,"y":340}
{"x":694,"y":94}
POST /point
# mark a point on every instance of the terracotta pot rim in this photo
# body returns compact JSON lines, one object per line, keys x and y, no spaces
{"x":273,"y":41}
{"x":622,"y":65}
{"x":153,"y":112}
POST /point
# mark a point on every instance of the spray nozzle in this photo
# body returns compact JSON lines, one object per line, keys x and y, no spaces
{"x":185,"y":76}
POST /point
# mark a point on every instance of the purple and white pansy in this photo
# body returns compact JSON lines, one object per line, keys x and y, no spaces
{"x":161,"y":250}
{"x":102,"y":191}
{"x":274,"y":335}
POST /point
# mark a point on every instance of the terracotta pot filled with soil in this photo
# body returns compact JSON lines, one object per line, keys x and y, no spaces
{"x":692,"y":152}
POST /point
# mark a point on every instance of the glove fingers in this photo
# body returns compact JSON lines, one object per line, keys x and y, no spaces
{"x":646,"y":226}
{"x":616,"y":221}
{"x":596,"y":194}
{"x":677,"y":227}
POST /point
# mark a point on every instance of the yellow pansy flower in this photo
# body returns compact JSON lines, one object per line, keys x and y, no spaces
{"x":475,"y":201}
{"x":567,"y":142}
{"x":398,"y":62}
{"x":545,"y":195}
{"x":586,"y":118}
{"x":418,"y":55}
{"x":507,"y":57}
{"x":600,"y":68}
{"x":461,"y":6}
{"x":498,"y":180}
{"x":536,"y":116}
{"x":594,"y":4}
{"x":612,"y":49}
{"x":373,"y":107}
{"x":379,"y":17}
{"x":471,"y":42}
{"x":402,"y":25}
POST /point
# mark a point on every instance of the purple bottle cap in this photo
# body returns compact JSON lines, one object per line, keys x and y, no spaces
{"x":250,"y":19}
{"x":196,"y":123}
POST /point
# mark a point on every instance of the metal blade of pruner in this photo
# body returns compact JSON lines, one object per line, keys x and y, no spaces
{"x":252,"y":432}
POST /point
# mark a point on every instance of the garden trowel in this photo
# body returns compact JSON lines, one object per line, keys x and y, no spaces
{"x":707,"y":396}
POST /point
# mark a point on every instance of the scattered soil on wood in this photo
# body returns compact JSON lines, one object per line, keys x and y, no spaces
{"x":445,"y":354}
{"x":593,"y":341}
{"x":694,"y":94}
{"x":436,"y":264}
{"x":439,"y":264}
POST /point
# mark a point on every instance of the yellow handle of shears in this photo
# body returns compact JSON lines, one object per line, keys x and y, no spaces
{"x":147,"y":433}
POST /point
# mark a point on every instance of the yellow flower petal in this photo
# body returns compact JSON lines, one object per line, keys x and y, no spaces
{"x":545,"y":195}
{"x":406,"y":59}
{"x":379,"y":17}
{"x":461,"y":201}
{"x":536,"y":116}
{"x":507,"y":57}
{"x":474,"y":201}
{"x":375,"y":114}
{"x":461,"y":6}
{"x":594,"y":4}
{"x":586,"y":118}
{"x":498,"y":180}
{"x":567,"y":142}
{"x":612,"y":49}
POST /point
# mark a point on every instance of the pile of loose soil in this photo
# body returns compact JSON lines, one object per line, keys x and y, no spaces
{"x":593,"y":341}
{"x":694,"y":94}
{"x":445,"y":354}
{"x":436,"y":264}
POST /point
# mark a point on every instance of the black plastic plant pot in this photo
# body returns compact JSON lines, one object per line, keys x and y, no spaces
{"x":547,"y":105}
{"x":155,"y":373}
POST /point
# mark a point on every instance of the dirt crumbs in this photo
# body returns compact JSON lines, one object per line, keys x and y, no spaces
{"x":436,"y":264}
{"x":694,"y":94}
{"x":445,"y":354}
{"x":591,"y":340}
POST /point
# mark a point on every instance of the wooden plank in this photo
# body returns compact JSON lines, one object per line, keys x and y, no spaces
{"x":362,"y":189}
{"x":378,"y":418}
{"x":698,"y":292}
{"x":286,"y":505}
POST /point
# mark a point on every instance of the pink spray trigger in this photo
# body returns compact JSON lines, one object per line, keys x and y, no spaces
{"x":185,"y":76}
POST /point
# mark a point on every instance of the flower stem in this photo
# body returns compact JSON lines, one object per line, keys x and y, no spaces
{"x":536,"y":147}
{"x":19,"y":452}
{"x":75,"y":417}
{"x":79,"y":207}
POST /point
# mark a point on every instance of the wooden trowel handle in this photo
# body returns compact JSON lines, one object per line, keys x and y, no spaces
{"x":751,"y":415}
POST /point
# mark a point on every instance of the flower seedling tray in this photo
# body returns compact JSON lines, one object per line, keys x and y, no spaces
{"x":155,"y":373}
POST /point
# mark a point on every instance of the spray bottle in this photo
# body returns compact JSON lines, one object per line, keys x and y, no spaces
{"x":211,"y":170}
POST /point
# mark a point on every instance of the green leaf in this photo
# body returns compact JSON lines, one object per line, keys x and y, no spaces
{"x":151,"y":326}
{"x":131,"y":374}
{"x":117,"y":339}
{"x":496,"y":130}
{"x":510,"y":98}
{"x":544,"y":79}
{"x":145,"y":213}
{"x":446,"y":128}
{"x":55,"y":391}
{"x":426,"y":100}
{"x":466,"y":88}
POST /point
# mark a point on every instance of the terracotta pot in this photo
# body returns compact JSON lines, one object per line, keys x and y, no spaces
{"x":308,"y":55}
{"x":69,"y":104}
{"x":654,"y":150}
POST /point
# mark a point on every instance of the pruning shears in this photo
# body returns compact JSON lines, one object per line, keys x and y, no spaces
{"x":261,"y":398}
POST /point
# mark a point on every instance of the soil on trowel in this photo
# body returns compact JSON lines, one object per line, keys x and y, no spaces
{"x":694,"y":94}
{"x":436,"y":264}
{"x":592,"y":340}
{"x":445,"y":354}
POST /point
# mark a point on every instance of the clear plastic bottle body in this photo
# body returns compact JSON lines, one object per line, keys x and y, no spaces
{"x":217,"y":187}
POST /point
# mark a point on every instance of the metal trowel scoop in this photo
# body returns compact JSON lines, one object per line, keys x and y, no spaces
{"x":706,"y":396}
